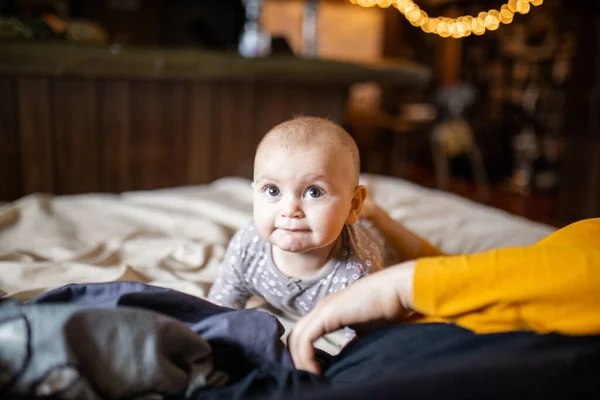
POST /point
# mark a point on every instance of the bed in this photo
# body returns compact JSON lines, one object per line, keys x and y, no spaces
{"x":175,"y":238}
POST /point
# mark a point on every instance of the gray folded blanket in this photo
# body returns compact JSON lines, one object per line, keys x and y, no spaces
{"x":76,"y":352}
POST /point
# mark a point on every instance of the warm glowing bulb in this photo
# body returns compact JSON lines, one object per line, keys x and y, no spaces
{"x":461,"y":26}
{"x":423,"y":18}
{"x":525,"y":7}
{"x":477,"y":26}
{"x":514,"y":5}
{"x":495,"y":14}
{"x":506,"y":15}
{"x":367,"y":3}
{"x":384,"y":3}
{"x":401,"y":4}
{"x":482,"y":16}
{"x":457,"y":30}
{"x":409,"y":7}
{"x":465,"y":26}
{"x":443,"y":29}
{"x":492,"y":21}
{"x":468,"y":24}
{"x":414,"y":15}
{"x":428,"y":26}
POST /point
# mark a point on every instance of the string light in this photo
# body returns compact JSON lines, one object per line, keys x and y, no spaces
{"x":455,"y":27}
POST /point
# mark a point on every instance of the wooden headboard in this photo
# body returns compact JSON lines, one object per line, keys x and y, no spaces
{"x":77,"y":120}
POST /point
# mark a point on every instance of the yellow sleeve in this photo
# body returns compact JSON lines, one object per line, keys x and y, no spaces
{"x":582,"y":233}
{"x":544,"y":288}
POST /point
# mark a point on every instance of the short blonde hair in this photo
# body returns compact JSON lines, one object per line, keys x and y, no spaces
{"x":312,"y":131}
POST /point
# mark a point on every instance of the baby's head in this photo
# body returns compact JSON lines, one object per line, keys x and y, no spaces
{"x":306,"y":173}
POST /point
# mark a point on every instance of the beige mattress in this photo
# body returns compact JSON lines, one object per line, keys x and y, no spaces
{"x":176,"y":237}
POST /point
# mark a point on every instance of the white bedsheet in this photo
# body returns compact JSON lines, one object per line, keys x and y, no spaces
{"x":176,"y":237}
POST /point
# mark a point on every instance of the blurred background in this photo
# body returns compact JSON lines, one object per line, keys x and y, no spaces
{"x":118,"y":95}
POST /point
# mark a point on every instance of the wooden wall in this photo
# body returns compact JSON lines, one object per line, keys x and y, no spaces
{"x":579,"y":192}
{"x":74,"y":135}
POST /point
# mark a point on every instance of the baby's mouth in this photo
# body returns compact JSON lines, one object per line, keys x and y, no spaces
{"x":294,"y":230}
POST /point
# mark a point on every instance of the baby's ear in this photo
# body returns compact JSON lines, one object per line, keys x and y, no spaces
{"x":360,"y":194}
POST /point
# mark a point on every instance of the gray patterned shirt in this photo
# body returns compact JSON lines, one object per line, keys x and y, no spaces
{"x":248,"y":269}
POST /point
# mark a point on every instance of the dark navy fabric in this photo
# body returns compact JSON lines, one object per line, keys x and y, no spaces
{"x":440,"y":361}
{"x":246,"y":345}
{"x":434,"y":361}
{"x":73,"y":352}
{"x":254,"y":335}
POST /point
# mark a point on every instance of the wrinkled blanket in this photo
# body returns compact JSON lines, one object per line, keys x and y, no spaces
{"x":175,"y":238}
{"x":79,"y":352}
{"x":130,"y":340}
{"x":141,"y":351}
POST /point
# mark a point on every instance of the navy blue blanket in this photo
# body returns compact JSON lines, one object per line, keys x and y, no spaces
{"x":413,"y":361}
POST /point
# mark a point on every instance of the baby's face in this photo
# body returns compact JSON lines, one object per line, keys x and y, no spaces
{"x":302,"y":196}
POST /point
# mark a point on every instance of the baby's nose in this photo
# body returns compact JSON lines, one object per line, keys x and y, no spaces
{"x":292,"y":209}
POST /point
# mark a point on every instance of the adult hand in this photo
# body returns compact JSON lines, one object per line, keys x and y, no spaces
{"x":377,"y":300}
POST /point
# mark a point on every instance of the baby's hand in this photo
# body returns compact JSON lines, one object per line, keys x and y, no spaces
{"x":370,"y":209}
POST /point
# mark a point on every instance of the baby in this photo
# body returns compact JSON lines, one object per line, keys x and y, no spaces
{"x":305,"y":242}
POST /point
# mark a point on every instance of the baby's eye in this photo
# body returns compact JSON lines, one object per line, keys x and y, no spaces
{"x":271,"y":190}
{"x":314,"y":192}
